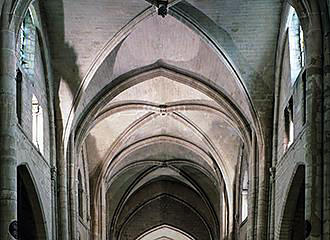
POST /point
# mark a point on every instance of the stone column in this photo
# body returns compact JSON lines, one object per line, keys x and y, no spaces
{"x":73,"y":192}
{"x":53,"y":174}
{"x":63,"y":220}
{"x":326,"y":147}
{"x":8,"y":119}
{"x":252,"y":190}
{"x":326,"y":118}
{"x":263,"y":186}
{"x":103,"y":211}
{"x":313,"y":155}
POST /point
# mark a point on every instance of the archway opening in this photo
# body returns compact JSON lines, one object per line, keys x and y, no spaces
{"x":293,"y":220}
{"x":29,"y":215}
{"x":298,"y":222}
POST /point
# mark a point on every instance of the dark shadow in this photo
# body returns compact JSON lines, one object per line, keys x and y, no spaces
{"x":91,"y":141}
{"x":65,"y":70}
{"x":63,"y":55}
{"x":29,"y":215}
{"x":69,"y":71}
{"x":292,"y":225}
{"x":53,"y":18}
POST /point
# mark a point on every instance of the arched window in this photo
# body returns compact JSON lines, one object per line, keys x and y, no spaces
{"x":80,"y":195}
{"x":296,"y":45}
{"x":26,"y":43}
{"x":37,"y":124}
{"x":244,"y":196}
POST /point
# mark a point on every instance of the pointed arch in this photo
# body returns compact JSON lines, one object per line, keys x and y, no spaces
{"x":293,"y":217}
{"x":31,"y":216}
{"x":83,"y":109}
{"x":165,"y":232}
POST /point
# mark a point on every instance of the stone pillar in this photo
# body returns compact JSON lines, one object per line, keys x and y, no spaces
{"x":62,"y":200}
{"x":326,"y":148}
{"x":61,"y":164}
{"x":326,"y":118}
{"x":103,"y":211}
{"x":53,"y":174}
{"x":8,"y":119}
{"x":263,"y":186}
{"x":73,"y":189}
{"x":313,"y":155}
{"x":252,"y":190}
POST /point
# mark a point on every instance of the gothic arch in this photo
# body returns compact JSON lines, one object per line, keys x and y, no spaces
{"x":238,"y":119}
{"x":30,"y":200}
{"x":84,"y":110}
{"x":293,"y":217}
{"x":165,"y":232}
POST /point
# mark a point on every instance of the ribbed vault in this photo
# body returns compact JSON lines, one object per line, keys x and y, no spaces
{"x":165,"y":122}
{"x":165,"y":148}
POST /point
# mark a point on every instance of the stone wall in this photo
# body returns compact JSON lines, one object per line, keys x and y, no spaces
{"x":289,"y":156}
{"x":28,"y":154}
{"x":40,"y":173}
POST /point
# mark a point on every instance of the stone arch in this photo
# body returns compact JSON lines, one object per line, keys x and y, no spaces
{"x":309,"y":13}
{"x":311,"y":19}
{"x":82,"y":112}
{"x":143,"y":179}
{"x":192,"y":222}
{"x":30,"y":212}
{"x":293,"y":216}
{"x":165,"y":232}
{"x":162,"y":184}
{"x":20,"y":8}
{"x":74,"y":115}
{"x":127,"y":80}
{"x":221,"y":44}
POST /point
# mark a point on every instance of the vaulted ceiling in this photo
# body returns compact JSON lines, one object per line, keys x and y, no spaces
{"x":165,"y":107}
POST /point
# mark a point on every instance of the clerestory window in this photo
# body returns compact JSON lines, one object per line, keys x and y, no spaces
{"x":26,"y":43}
{"x":296,"y":45}
{"x":244,"y":196}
